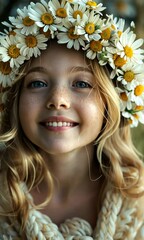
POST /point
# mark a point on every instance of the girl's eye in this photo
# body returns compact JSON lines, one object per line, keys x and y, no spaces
{"x":81,"y":84}
{"x":37,"y":84}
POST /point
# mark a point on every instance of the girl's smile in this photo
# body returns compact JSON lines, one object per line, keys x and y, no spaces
{"x":58,"y":123}
{"x":60,"y":106}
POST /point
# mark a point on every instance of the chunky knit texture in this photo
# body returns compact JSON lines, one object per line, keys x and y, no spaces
{"x":119,"y":219}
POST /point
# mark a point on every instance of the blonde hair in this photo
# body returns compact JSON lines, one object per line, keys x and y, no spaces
{"x":118,"y":158}
{"x":115,"y":152}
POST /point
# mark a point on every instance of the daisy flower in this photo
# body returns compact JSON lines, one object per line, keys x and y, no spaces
{"x":7,"y":74}
{"x":68,"y":36}
{"x":139,"y":112}
{"x":96,"y":49}
{"x":91,"y":26}
{"x":115,"y":61}
{"x":128,"y":47}
{"x":76,"y":12}
{"x":133,"y":121}
{"x":137,"y":94}
{"x":125,"y":101}
{"x":93,"y":5}
{"x":140,"y":116}
{"x":130,"y":75}
{"x":11,"y":30}
{"x":117,"y":26}
{"x":134,"y":118}
{"x":60,"y":10}
{"x":31,"y":45}
{"x":23,"y":22}
{"x":10,"y":52}
{"x":43,"y":17}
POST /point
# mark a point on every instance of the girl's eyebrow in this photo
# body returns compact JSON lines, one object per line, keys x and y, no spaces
{"x":70,"y":70}
{"x":37,"y":69}
{"x":80,"y":69}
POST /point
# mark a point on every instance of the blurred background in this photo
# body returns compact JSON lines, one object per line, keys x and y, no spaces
{"x":130,"y":10}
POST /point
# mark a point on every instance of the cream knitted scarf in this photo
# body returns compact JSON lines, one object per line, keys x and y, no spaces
{"x":117,"y":221}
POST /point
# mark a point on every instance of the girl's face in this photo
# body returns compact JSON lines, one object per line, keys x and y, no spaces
{"x":60,"y":108}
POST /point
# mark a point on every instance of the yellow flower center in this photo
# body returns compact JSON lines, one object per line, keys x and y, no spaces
{"x":91,"y":3}
{"x":47,"y":18}
{"x":5,"y":68}
{"x":128,"y":51}
{"x":71,"y":34}
{"x":61,"y":12}
{"x":13,"y":51}
{"x":95,"y":46}
{"x":139,"y":108}
{"x":123,"y":96}
{"x":130,"y":121}
{"x":77,"y":13}
{"x":136,"y":116}
{"x":139,"y":90}
{"x":90,"y":28}
{"x":31,"y":41}
{"x":129,"y":76}
{"x":47,"y":33}
{"x":118,"y":61}
{"x":106,"y":34}
{"x":28,"y":22}
{"x":12,"y":33}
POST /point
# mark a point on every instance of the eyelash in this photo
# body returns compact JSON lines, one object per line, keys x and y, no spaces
{"x":41,"y":84}
{"x":84,"y":84}
{"x":37,"y":84}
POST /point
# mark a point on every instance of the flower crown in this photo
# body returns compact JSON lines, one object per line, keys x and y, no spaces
{"x":78,"y":24}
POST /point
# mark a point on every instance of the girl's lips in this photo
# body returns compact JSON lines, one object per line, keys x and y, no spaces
{"x":58,"y":119}
{"x":58,"y":123}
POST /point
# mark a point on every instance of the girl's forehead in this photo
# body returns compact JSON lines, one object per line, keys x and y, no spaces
{"x":58,"y":56}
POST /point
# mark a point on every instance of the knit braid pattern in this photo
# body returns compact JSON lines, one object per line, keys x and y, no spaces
{"x":39,"y":226}
{"x":128,"y":223}
{"x":117,"y":220}
{"x":106,"y":225}
{"x":8,"y":231}
{"x":76,"y":229}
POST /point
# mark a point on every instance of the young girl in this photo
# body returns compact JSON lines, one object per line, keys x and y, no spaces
{"x":72,"y":85}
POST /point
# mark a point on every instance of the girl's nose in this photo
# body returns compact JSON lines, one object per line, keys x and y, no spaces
{"x":58,"y":98}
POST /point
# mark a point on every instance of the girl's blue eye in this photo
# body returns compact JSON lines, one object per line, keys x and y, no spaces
{"x":37,"y":84}
{"x":82,"y":84}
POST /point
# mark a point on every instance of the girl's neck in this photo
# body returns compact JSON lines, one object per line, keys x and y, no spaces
{"x":72,"y":171}
{"x":77,"y":186}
